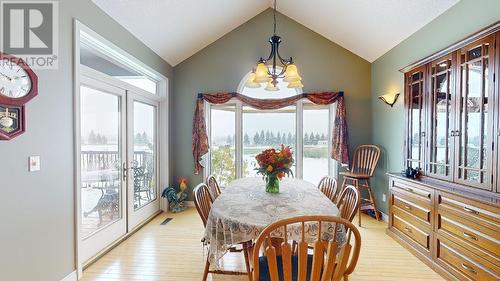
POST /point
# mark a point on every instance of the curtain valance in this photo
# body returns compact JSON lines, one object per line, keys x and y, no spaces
{"x":340,"y":145}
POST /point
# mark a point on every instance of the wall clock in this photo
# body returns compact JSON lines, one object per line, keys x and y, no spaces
{"x":18,"y":85}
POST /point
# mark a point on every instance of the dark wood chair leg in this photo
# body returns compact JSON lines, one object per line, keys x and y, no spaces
{"x":356,"y":185}
{"x":205,"y":271}
{"x":246,"y":253}
{"x":372,"y":199}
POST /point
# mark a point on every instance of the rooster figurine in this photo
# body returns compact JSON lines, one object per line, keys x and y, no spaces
{"x":176,"y":199}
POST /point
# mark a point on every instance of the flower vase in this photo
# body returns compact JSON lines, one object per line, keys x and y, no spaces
{"x":272,"y":184}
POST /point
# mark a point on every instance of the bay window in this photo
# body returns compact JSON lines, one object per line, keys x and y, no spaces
{"x":238,"y":132}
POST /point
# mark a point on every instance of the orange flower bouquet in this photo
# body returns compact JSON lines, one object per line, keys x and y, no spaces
{"x":274,"y":165}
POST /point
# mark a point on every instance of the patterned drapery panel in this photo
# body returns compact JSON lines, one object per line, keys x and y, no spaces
{"x":340,"y":143}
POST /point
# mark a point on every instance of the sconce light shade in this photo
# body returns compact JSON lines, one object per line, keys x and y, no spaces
{"x":389,"y":99}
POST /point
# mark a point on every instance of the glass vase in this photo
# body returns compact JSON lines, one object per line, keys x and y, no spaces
{"x":272,"y":184}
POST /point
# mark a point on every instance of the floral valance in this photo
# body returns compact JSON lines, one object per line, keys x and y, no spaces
{"x":340,"y":145}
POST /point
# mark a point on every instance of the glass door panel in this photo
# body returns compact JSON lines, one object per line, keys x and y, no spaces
{"x":102,"y":154}
{"x":144,"y":163}
{"x":266,"y":129}
{"x":475,"y":119}
{"x":440,"y":99}
{"x":222,"y":143}
{"x":415,"y":122}
{"x":143,"y":160}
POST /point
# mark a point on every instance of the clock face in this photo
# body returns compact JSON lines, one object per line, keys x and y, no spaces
{"x":14,"y":80}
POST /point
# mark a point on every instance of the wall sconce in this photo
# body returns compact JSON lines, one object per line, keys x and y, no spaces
{"x":389,"y":99}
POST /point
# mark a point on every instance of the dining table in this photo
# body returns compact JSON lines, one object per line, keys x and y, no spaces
{"x":244,"y":209}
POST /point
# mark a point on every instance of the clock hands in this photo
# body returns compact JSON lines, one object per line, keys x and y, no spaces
{"x":8,"y":78}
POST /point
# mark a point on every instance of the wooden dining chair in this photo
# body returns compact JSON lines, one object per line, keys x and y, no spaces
{"x":363,"y":166}
{"x":213,"y":187}
{"x":328,"y":186}
{"x":331,"y":260}
{"x":348,"y":204}
{"x":203,"y":202}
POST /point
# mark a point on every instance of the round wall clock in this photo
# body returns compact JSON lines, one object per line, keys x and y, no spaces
{"x":18,"y":82}
{"x":18,"y":85}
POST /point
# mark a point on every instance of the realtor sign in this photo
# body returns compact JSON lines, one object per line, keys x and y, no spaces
{"x":30,"y":31}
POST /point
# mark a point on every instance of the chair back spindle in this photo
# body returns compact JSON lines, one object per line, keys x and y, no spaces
{"x":213,"y":187}
{"x":202,"y":201}
{"x":331,"y":260}
{"x":365,"y":159}
{"x":349,"y":202}
{"x":328,"y":186}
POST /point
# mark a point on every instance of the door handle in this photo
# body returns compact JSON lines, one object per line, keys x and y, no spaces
{"x":124,"y":171}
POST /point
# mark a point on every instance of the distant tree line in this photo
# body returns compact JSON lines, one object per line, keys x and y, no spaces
{"x":268,"y":138}
{"x":94,"y":138}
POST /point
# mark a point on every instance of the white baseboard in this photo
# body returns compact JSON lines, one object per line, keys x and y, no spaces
{"x":70,"y":277}
{"x":190,"y":204}
{"x":385,"y":217}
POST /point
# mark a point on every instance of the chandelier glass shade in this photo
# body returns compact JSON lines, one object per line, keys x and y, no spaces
{"x":268,"y":71}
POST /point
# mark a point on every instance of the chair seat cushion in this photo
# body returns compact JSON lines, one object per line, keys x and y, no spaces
{"x":354,"y":175}
{"x":264,"y":269}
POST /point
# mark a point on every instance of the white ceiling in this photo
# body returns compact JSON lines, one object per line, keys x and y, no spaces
{"x":177,"y":29}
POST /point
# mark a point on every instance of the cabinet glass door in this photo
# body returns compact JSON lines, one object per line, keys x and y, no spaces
{"x":440,"y":122}
{"x":475,"y":118}
{"x":415,"y":125}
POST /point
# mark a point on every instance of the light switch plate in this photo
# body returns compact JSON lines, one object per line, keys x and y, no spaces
{"x":384,"y":197}
{"x":34,"y":163}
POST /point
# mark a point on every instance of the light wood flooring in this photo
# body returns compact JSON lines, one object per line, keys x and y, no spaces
{"x":174,"y":252}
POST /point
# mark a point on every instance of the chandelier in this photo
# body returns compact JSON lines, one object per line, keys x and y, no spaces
{"x":267,"y":71}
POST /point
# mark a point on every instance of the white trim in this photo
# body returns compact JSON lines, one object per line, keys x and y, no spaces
{"x":117,"y":55}
{"x":71,"y":277}
{"x":385,"y":217}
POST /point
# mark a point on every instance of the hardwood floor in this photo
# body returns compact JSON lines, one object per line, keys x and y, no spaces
{"x":174,"y":252}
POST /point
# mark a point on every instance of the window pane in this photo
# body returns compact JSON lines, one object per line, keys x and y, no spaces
{"x":316,"y":140}
{"x":266,"y":129}
{"x":144,"y":163}
{"x":260,"y":93}
{"x":100,"y":159}
{"x":222,"y":150}
{"x":100,"y":62}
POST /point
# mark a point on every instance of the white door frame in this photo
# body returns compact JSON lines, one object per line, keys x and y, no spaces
{"x":81,"y":31}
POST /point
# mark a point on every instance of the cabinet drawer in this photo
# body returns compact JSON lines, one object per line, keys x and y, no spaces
{"x":461,"y":262}
{"x":418,"y":235}
{"x":412,"y":190}
{"x":480,"y":213}
{"x":477,"y":235}
{"x":421,"y":212}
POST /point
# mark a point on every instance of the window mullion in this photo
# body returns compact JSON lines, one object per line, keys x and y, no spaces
{"x":239,"y":140}
{"x":299,"y":140}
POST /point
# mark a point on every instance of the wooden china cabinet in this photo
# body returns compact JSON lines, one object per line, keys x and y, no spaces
{"x":450,"y":216}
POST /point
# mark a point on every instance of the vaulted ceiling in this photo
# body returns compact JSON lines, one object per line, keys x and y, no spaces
{"x":177,"y":29}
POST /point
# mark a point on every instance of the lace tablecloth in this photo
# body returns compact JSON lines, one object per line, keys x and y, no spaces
{"x":244,"y":209}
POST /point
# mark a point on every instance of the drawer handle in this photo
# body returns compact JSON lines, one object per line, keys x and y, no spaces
{"x":408,"y":189}
{"x":470,"y":236}
{"x":407,"y":229}
{"x":469,"y":210}
{"x":468,"y":268}
{"x":408,"y":207}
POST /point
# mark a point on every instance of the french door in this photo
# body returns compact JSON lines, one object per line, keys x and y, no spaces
{"x":119,"y":161}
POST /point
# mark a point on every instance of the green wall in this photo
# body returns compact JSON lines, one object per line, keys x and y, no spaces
{"x":37,"y":239}
{"x":463,"y":19}
{"x":323,"y":65}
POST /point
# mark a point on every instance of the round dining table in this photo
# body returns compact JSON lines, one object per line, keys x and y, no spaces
{"x":244,"y":209}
